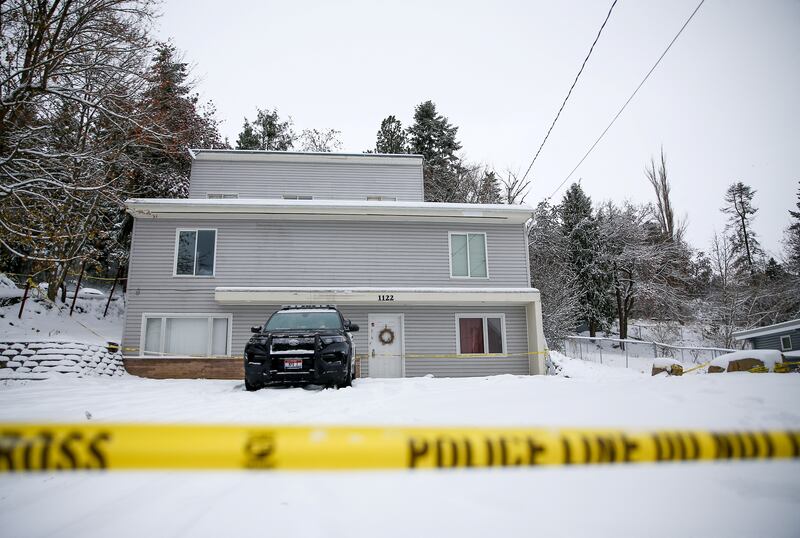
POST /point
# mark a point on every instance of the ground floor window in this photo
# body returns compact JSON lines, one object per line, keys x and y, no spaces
{"x":786,"y":343}
{"x":481,"y":333}
{"x":202,"y":335}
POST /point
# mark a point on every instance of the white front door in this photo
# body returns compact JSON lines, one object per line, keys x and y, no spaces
{"x":385,"y":345}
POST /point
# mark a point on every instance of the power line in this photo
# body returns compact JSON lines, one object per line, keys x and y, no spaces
{"x":574,"y":82}
{"x":674,"y":39}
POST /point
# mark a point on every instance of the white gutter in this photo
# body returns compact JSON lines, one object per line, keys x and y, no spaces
{"x":373,"y":295}
{"x":325,"y":210}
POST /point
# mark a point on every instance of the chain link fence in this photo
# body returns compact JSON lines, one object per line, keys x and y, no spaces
{"x":635,"y":354}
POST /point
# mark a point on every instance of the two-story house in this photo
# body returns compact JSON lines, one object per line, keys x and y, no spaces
{"x":436,"y":288}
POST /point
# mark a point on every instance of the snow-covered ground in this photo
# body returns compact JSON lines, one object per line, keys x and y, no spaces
{"x":687,"y":499}
{"x":42,"y":320}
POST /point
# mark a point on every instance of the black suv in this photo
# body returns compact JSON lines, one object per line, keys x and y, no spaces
{"x":301,"y":345}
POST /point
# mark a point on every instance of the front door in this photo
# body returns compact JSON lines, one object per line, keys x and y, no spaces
{"x":385,"y":345}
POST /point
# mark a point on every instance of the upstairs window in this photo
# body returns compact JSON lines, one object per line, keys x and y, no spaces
{"x":468,"y":258}
{"x":195,"y":252}
{"x":480,"y":333}
{"x":786,"y":343}
{"x":222,"y":195}
{"x":377,"y":198}
{"x":297,"y":197}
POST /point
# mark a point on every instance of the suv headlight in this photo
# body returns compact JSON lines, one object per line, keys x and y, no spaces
{"x":328,"y":340}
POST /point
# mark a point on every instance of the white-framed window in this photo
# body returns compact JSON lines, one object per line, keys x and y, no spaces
{"x":186,"y":335}
{"x":379,"y":198}
{"x":469,"y":256}
{"x":222,"y":195}
{"x":297,"y":197}
{"x":480,"y":333}
{"x":195,"y":252}
{"x":786,"y":343}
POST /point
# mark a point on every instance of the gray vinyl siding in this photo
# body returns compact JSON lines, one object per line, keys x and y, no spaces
{"x":347,"y":180}
{"x":773,"y":341}
{"x":320,"y":253}
{"x":428,"y":330}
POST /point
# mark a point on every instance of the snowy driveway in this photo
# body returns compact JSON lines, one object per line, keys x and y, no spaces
{"x":709,"y":499}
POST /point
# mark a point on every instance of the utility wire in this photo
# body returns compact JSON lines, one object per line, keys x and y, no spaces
{"x":674,"y":39}
{"x":574,"y":82}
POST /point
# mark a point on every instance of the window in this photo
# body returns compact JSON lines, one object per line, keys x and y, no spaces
{"x":201,"y":335}
{"x":222,"y":195}
{"x":300,"y":320}
{"x":481,"y":333}
{"x":297,"y":197}
{"x":468,"y":255}
{"x":195,"y":252}
{"x":786,"y":343}
{"x":377,"y":198}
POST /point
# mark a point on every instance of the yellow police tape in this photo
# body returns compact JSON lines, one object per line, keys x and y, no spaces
{"x":54,"y":447}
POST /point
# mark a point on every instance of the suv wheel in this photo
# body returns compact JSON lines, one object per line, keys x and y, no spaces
{"x":249,"y":387}
{"x":348,"y":380}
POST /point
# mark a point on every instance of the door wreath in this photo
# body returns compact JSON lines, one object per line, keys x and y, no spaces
{"x":386,"y":336}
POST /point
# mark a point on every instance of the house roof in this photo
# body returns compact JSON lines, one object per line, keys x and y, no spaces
{"x":305,"y":156}
{"x":254,"y":208}
{"x":790,"y":325}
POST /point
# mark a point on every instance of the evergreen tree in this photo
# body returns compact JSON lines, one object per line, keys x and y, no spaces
{"x":391,"y":137}
{"x":266,"y":132}
{"x":580,"y":228}
{"x":792,"y":240}
{"x":248,"y":139}
{"x":433,"y":137}
{"x":745,"y":246}
{"x":489,"y":189}
{"x":177,"y":123}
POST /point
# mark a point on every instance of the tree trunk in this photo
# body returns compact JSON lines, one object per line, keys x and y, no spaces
{"x":592,"y":328}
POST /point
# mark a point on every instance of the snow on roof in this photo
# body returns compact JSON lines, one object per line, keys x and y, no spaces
{"x":790,"y":325}
{"x":305,"y":156}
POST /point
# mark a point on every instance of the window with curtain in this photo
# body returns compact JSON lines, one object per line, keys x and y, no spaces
{"x":480,"y":333}
{"x":201,"y":335}
{"x":468,"y":255}
{"x":196,"y":252}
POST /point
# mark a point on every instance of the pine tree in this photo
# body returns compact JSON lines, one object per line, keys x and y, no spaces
{"x":580,"y":228}
{"x":173,"y":109}
{"x":391,"y":137}
{"x":792,"y":240}
{"x":248,"y":139}
{"x":266,"y":132}
{"x":433,"y":137}
{"x":744,"y":243}
{"x":489,"y":189}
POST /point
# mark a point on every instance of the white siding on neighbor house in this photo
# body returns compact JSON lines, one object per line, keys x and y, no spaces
{"x":335,"y":181}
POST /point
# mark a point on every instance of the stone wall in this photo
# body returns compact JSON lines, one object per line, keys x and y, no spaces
{"x":40,"y":360}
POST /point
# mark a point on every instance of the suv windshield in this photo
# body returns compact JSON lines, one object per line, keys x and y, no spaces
{"x":299,"y":320}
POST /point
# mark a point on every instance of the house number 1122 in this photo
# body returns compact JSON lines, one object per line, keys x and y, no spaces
{"x":386,"y":297}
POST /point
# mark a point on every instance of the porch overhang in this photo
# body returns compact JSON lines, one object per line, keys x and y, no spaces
{"x":374,"y":295}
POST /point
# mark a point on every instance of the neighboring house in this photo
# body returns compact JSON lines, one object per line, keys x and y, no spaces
{"x":784,"y":336}
{"x":430,"y":284}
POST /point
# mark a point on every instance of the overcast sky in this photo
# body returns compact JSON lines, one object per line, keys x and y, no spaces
{"x":724,"y":101}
